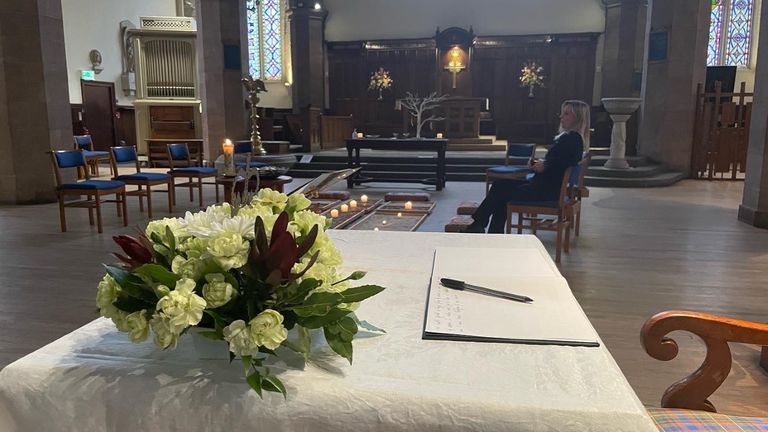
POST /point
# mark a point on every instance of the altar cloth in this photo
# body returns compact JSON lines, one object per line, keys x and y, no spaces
{"x":95,"y":379}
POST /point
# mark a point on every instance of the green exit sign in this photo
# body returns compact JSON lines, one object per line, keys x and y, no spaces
{"x":87,"y":75}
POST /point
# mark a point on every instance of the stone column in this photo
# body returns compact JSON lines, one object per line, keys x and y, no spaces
{"x":669,"y":85}
{"x":307,"y":27}
{"x":34,"y":100}
{"x":754,"y":205}
{"x":624,"y":26}
{"x":210,"y":59}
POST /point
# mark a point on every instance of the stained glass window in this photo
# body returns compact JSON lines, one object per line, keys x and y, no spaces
{"x":265,"y":45}
{"x":730,"y":33}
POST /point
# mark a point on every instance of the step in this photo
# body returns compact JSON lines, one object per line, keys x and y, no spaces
{"x":635,"y":172}
{"x":658,"y":180}
{"x":600,"y":160}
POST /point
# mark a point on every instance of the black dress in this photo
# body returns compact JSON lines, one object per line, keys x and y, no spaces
{"x":544,"y":186}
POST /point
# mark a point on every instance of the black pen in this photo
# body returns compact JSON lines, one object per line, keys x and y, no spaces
{"x":463,"y":286}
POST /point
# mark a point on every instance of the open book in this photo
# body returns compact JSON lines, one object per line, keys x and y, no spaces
{"x":324,"y":181}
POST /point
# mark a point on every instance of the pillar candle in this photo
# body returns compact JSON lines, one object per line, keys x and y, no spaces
{"x":344,"y":208}
{"x":353,"y":204}
{"x":364,"y":199}
{"x":439,"y":135}
{"x":334,"y":213}
{"x":399,"y":214}
{"x":360,"y":135}
{"x":408,"y":205}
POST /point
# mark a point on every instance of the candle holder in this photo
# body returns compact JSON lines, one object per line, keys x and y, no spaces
{"x":254,"y":87}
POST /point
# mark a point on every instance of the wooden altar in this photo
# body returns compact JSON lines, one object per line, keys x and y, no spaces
{"x":462,"y":116}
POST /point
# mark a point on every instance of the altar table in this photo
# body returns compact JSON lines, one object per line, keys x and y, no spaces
{"x":438,"y":146}
{"x":94,"y":379}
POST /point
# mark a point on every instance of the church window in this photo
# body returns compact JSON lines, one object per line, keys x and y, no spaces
{"x":265,"y":38}
{"x":730,"y":33}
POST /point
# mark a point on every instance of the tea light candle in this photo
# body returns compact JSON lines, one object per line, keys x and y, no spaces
{"x":353,"y":204}
{"x":334,"y":213}
{"x":439,"y":135}
{"x":383,"y":222}
{"x":360,"y":135}
{"x":364,"y":199}
{"x":344,"y":208}
{"x":375,"y":229}
{"x":399,"y":214}
{"x":408,"y":205}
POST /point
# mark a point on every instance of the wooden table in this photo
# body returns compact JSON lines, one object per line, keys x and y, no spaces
{"x":411,"y":144}
{"x":274,"y":184}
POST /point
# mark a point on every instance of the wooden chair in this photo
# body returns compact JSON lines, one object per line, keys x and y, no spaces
{"x":575,"y":189}
{"x":144,"y":181}
{"x":93,"y":190}
{"x":516,"y":163}
{"x":532,"y":210}
{"x":686,"y":401}
{"x":179,"y":153}
{"x":93,"y":158}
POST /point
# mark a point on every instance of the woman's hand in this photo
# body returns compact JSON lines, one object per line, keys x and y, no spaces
{"x":538,"y":166}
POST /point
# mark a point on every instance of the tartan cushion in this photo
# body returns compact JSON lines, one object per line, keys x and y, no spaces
{"x":681,"y":420}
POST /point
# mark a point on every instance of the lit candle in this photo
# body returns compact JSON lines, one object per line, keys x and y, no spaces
{"x":344,"y":208}
{"x":229,"y":150}
{"x":439,"y":135}
{"x":364,"y":199}
{"x":353,"y":204}
{"x":334,"y":213}
{"x":375,"y":229}
{"x":399,"y":214}
{"x":228,"y":147}
{"x":383,"y":222}
{"x":408,"y":205}
{"x":360,"y":135}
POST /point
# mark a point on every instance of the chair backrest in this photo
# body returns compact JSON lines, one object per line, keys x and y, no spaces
{"x":83,"y":142}
{"x":243,"y":147}
{"x":122,"y":155}
{"x":564,"y":187}
{"x":521,"y":154}
{"x":576,"y":181}
{"x":178,"y":152}
{"x":67,"y":159}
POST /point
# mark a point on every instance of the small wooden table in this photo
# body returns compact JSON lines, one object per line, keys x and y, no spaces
{"x":275,"y":184}
{"x":411,"y":144}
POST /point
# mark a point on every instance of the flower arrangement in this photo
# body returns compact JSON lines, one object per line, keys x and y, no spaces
{"x":244,"y":274}
{"x":380,"y":80}
{"x":531,"y":76}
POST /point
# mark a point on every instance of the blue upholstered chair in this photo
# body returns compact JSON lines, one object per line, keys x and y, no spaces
{"x":144,"y":181}
{"x":93,"y":190}
{"x":92,"y":158}
{"x":577,"y":191}
{"x":516,"y":164}
{"x":531,"y":212}
{"x":243,"y":149}
{"x":178,"y":154}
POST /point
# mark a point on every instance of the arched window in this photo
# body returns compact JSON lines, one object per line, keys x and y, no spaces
{"x":265,"y":39}
{"x":730,"y":33}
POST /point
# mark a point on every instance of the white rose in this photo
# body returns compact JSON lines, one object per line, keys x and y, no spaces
{"x":241,"y":343}
{"x":305,"y":220}
{"x":298,"y":202}
{"x":229,"y":251}
{"x":182,"y":306}
{"x":217,"y":292}
{"x":107,"y":292}
{"x":164,"y":335}
{"x":191,"y":268}
{"x":271,"y":199}
{"x":138,"y":327}
{"x":158,"y":227}
{"x":267,"y":329}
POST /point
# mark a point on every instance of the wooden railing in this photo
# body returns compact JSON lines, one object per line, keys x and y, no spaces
{"x":721,"y":133}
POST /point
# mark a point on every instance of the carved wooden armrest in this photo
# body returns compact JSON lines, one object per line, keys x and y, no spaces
{"x":692,"y":391}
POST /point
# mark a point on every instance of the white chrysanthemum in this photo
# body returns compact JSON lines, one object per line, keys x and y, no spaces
{"x":241,"y":342}
{"x":192,"y":268}
{"x":298,"y":202}
{"x":217,"y":292}
{"x":271,"y":199}
{"x":158,"y":227}
{"x":165,"y":336}
{"x":267,"y":329}
{"x":241,"y":225}
{"x":138,"y":326}
{"x":229,"y":251}
{"x":182,"y":306}
{"x":194,"y":247}
{"x":201,"y":223}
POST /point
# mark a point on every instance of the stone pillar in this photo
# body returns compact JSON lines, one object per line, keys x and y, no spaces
{"x":307,"y":27}
{"x":624,"y":26}
{"x":669,"y":84}
{"x":34,"y":100}
{"x":754,"y":205}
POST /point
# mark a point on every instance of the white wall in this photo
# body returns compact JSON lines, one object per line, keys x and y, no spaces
{"x":395,"y":19}
{"x":95,"y":24}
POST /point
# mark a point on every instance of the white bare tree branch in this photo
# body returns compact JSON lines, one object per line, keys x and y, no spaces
{"x":418,"y":107}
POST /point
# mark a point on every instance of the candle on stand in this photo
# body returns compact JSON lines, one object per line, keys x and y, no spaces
{"x":364,"y":199}
{"x":360,"y":135}
{"x":344,"y":208}
{"x":229,"y":151}
{"x":399,"y":214}
{"x":334,"y":213}
{"x":353,"y":204}
{"x":408,"y":205}
{"x":439,"y":135}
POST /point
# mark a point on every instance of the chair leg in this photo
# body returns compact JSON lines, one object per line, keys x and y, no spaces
{"x":170,"y":196}
{"x":90,"y":216}
{"x":558,"y":244}
{"x":172,"y":191}
{"x":149,"y":201}
{"x":567,"y":246}
{"x":216,"y":188}
{"x":520,"y":223}
{"x":508,"y":227}
{"x":141,"y":200}
{"x":487,"y":185}
{"x":191,"y":196}
{"x":200,"y":190}
{"x":98,"y":212}
{"x":62,"y":216}
{"x":577,"y":223}
{"x":117,"y":204}
{"x":124,"y":199}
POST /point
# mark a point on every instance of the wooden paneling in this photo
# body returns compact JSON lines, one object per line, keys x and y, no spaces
{"x":172,"y":122}
{"x":125,"y":122}
{"x":335,"y":130}
{"x":568,"y":61}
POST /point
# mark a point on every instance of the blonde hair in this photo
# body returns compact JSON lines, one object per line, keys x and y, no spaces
{"x":580,"y":110}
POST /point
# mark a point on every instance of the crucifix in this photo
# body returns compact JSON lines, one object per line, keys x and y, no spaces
{"x":455,"y":66}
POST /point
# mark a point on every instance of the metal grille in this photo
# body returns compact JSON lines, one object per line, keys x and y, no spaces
{"x":169,"y":68}
{"x":168,"y":23}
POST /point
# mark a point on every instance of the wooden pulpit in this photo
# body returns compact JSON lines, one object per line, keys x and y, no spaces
{"x":462,"y":116}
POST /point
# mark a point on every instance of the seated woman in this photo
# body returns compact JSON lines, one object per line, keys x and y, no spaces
{"x":548,"y":174}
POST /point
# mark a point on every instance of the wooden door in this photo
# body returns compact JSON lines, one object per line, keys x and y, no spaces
{"x":99,"y":113}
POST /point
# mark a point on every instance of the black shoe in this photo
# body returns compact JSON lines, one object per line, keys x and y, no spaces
{"x":475,"y":228}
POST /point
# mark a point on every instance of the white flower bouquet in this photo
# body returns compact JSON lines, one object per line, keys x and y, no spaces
{"x":531,"y":75}
{"x":245,"y":275}
{"x":380,"y":80}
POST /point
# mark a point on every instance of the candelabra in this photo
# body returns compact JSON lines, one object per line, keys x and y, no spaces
{"x":254,"y":87}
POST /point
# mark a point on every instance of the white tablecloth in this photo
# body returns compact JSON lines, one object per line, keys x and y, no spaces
{"x":94,"y":379}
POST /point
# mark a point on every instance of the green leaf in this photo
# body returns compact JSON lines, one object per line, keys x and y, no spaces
{"x":171,"y":238}
{"x":254,"y":380}
{"x":318,"y":304}
{"x":314,"y":322}
{"x":348,"y":328}
{"x":338,"y":345}
{"x":158,"y":274}
{"x":210,"y":334}
{"x":273,"y":384}
{"x":354,"y":276}
{"x":365,"y":325}
{"x":358,"y":294}
{"x":132,"y":285}
{"x":296,"y":293}
{"x":132,"y":304}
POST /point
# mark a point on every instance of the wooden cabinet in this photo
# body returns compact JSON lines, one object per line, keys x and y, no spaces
{"x":172,"y":122}
{"x":462,"y":117}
